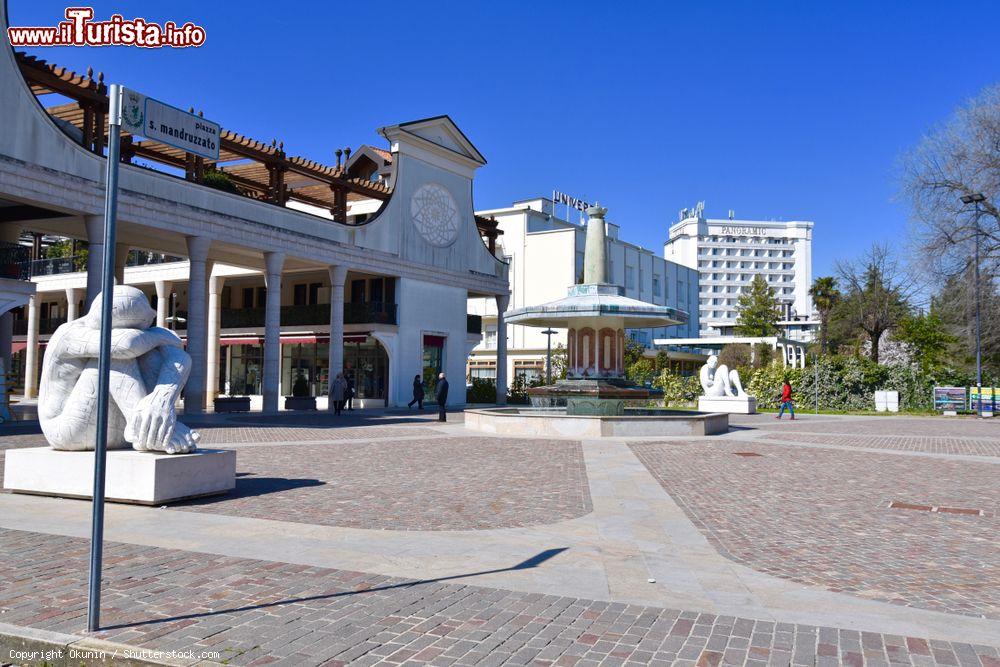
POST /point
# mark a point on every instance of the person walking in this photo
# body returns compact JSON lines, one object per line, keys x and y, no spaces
{"x":442,"y":397}
{"x":786,"y":400}
{"x":349,"y":392}
{"x":418,"y":393}
{"x":338,"y":389}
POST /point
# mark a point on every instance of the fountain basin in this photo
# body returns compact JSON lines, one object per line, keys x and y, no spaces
{"x":556,"y":422}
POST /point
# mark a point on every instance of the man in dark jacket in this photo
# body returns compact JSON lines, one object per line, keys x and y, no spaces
{"x":442,"y":397}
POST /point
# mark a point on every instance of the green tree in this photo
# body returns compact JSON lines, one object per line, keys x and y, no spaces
{"x":662,"y":360}
{"x":633,"y":351}
{"x":560,"y":362}
{"x":758,"y":310}
{"x":927,"y":340}
{"x":641,"y":371}
{"x":825,"y":296}
{"x":877,"y":292}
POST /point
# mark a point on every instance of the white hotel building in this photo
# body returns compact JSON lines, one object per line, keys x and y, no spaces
{"x":545,"y":257}
{"x":729,"y":253}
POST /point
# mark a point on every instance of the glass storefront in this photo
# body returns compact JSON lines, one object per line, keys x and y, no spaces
{"x":244,"y":371}
{"x":433,"y":361}
{"x":366,"y":362}
{"x":306,"y":365}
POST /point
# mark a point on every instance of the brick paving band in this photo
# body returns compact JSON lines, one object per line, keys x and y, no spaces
{"x":438,"y":483}
{"x":260,"y":612}
{"x":822,"y":517}
{"x":911,"y":443}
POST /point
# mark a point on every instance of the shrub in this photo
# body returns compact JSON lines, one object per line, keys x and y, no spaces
{"x":677,"y":388}
{"x":219,"y":180}
{"x":483,"y":390}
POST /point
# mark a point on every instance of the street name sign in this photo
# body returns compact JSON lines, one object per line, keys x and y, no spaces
{"x":161,"y":122}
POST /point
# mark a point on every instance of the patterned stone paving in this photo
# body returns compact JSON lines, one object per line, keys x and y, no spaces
{"x":257,"y":612}
{"x":439,"y":483}
{"x":216,"y":435}
{"x":934,"y":445}
{"x":920,"y":426}
{"x":821,"y":517}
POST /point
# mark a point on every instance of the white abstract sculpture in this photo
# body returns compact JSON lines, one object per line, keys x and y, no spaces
{"x":719,"y":381}
{"x":148,"y":370}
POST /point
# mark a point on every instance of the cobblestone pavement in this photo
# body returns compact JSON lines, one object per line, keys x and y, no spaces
{"x":934,"y":445}
{"x":437,"y":483}
{"x":216,"y":435}
{"x":258,"y":612}
{"x":921,"y":426}
{"x":822,"y":517}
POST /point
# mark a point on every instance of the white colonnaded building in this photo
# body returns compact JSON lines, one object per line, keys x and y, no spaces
{"x":545,"y":255}
{"x":278,"y":271}
{"x":729,"y":253}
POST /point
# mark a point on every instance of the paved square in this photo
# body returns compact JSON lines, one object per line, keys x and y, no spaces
{"x":688,"y":551}
{"x":438,"y":483}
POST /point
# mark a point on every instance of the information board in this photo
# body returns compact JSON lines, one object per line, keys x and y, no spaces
{"x":950,"y":399}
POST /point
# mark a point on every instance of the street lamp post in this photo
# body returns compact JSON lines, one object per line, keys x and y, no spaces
{"x":976,"y":199}
{"x":548,"y":355}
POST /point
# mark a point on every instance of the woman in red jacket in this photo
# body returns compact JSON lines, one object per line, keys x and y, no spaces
{"x":786,"y":400}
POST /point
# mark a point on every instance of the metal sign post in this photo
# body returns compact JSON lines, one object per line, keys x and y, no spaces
{"x":104,"y":362}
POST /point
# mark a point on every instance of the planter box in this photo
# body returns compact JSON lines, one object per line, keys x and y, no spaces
{"x":232,"y":404}
{"x":300,"y":402}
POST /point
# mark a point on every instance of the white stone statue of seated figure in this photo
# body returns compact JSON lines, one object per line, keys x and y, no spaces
{"x":719,"y":381}
{"x":148,"y":370}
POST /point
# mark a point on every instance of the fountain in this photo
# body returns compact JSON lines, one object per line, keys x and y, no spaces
{"x":593,"y":398}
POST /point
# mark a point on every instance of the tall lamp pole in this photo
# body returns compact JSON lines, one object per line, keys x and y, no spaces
{"x":548,"y":355}
{"x":976,"y":199}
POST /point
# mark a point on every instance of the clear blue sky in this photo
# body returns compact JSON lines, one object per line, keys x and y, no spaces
{"x":791,"y":110}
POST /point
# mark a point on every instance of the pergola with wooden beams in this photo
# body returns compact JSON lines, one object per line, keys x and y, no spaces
{"x":256,"y":169}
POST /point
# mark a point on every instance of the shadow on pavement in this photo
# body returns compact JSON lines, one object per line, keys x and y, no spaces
{"x":532,"y":562}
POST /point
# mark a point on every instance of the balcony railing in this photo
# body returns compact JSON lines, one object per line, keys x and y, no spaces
{"x":59,"y":265}
{"x":14,"y":261}
{"x":46,"y":326}
{"x":374,"y":312}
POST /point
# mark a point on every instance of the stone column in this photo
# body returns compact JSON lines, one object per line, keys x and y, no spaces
{"x":272,"y":330}
{"x":214,"y":323}
{"x":194,"y":392}
{"x":121,"y":259}
{"x":502,"y":301}
{"x":72,"y":300}
{"x":95,"y":255}
{"x":31,"y":351}
{"x":163,"y":291}
{"x":338,"y":276}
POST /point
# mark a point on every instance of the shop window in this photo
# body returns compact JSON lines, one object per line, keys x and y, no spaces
{"x":433,"y":360}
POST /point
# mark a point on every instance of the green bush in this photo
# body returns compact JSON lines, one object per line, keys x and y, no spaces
{"x":677,"y":388}
{"x":219,"y":180}
{"x":483,"y":390}
{"x":848,"y":383}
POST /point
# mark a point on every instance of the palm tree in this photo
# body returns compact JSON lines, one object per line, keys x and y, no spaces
{"x":825,"y":296}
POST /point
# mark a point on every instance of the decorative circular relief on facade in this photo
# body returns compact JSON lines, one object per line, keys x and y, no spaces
{"x":435,"y":214}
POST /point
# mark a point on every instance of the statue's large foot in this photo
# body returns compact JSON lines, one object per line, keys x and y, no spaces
{"x":182,"y":441}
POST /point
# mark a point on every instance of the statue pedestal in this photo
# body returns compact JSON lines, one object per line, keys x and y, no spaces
{"x":734,"y":405}
{"x":142,"y":478}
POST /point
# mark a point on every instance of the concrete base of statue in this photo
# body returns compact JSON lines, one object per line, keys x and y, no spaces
{"x":734,"y":405}
{"x":142,"y":478}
